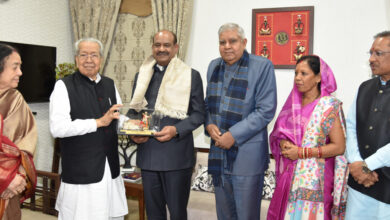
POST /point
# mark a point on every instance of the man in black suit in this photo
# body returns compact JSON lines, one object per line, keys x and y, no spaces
{"x":168,"y":85}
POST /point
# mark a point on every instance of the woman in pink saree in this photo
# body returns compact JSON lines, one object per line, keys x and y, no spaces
{"x":308,"y":143}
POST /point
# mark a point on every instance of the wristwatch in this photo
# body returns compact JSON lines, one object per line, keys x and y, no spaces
{"x":177,"y":133}
{"x":365,"y":168}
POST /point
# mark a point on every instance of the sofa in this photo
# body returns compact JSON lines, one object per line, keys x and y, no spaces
{"x":201,"y":205}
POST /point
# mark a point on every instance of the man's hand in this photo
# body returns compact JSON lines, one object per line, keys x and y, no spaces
{"x":214,"y":132}
{"x":139,"y":139}
{"x":367,"y":179}
{"x":111,"y":114}
{"x":372,"y":179}
{"x":17,"y":186}
{"x":226,"y":141}
{"x":166,"y":134}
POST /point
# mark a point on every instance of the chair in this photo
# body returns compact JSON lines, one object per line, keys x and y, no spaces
{"x":44,"y":197}
{"x":48,"y":184}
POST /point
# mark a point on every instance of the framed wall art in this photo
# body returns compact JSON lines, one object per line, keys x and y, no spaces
{"x":283,"y":35}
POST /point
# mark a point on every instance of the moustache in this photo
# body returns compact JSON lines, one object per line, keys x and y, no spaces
{"x":162,"y":53}
{"x":89,"y":66}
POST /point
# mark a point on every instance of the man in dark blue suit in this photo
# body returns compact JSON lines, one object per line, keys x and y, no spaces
{"x":168,"y":85}
{"x":240,"y":102}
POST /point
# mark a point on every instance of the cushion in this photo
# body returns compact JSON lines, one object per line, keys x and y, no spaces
{"x":269,"y":184}
{"x":203,"y":181}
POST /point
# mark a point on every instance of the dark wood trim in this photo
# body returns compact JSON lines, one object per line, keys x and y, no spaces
{"x":56,"y":156}
{"x":303,"y":8}
{"x":137,"y":190}
{"x":204,"y":150}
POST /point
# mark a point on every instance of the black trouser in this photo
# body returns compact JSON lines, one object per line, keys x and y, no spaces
{"x":162,"y":188}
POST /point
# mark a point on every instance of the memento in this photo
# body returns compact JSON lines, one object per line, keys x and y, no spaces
{"x":142,"y":123}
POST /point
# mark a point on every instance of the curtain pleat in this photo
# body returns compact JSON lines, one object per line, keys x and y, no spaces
{"x":174,"y":15}
{"x":95,"y":18}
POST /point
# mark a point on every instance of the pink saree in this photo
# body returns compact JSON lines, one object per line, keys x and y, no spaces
{"x":312,"y":188}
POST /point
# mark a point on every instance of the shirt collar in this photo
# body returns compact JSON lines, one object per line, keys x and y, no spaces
{"x":382,"y":81}
{"x":161,"y":68}
{"x":98,"y":78}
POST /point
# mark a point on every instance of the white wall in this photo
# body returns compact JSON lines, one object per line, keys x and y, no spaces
{"x":42,"y":22}
{"x":343,"y":33}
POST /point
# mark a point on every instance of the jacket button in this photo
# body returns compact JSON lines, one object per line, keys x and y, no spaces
{"x":367,"y":146}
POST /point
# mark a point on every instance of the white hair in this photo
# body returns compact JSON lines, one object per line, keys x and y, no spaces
{"x":88,"y":39}
{"x":232,"y":26}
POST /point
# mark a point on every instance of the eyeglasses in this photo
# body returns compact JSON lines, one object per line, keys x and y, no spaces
{"x":378,"y":53}
{"x":93,"y":56}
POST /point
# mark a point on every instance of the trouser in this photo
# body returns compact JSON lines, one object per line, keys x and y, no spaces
{"x":360,"y":206}
{"x":166,"y":188}
{"x":239,"y":197}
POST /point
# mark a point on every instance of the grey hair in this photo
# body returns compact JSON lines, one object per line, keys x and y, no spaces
{"x":232,"y":26}
{"x":88,"y":39}
{"x":382,"y":34}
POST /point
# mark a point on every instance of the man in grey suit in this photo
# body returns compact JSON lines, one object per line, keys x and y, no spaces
{"x":240,"y":102}
{"x":168,"y":85}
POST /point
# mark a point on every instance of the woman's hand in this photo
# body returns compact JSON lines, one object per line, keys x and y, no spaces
{"x":17,"y":186}
{"x":289,"y":150}
{"x":283,"y":144}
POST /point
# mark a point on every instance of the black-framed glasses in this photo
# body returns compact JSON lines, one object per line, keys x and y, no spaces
{"x":378,"y":53}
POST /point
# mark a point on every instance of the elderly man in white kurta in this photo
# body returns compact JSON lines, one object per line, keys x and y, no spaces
{"x":83,"y":111}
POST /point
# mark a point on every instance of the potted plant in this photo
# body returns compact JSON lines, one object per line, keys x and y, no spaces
{"x":64,"y":69}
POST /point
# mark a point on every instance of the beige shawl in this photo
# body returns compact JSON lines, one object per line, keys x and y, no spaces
{"x":19,"y":123}
{"x":175,"y":89}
